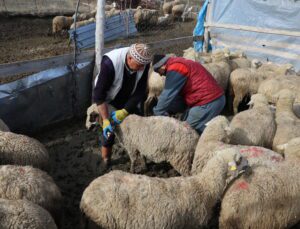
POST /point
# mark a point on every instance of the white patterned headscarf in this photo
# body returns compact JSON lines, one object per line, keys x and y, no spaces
{"x":141,"y":53}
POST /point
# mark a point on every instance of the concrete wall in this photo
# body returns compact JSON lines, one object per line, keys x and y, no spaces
{"x":43,"y":7}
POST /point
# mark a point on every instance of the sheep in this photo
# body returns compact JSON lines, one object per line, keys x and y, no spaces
{"x":123,"y":200}
{"x":26,"y":182}
{"x":59,"y":23}
{"x":235,"y":207}
{"x":82,"y":23}
{"x":24,"y":214}
{"x":85,"y":16}
{"x":156,"y":84}
{"x":271,"y":87}
{"x":165,"y":20}
{"x":269,"y":198}
{"x":144,"y":18}
{"x":3,"y":126}
{"x":170,"y":140}
{"x":244,"y":125}
{"x":240,"y":62}
{"x":291,"y":148}
{"x":177,"y":11}
{"x":288,"y":124}
{"x":22,"y":150}
{"x":167,"y":7}
{"x":216,"y":137}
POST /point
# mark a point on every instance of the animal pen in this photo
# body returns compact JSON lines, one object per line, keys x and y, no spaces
{"x":47,"y":80}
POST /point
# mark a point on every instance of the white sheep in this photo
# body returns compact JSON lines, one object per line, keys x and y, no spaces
{"x":216,"y":137}
{"x":177,"y":10}
{"x":249,"y":201}
{"x":271,"y":87}
{"x":156,"y":84}
{"x":145,"y":18}
{"x":240,"y":62}
{"x":3,"y":126}
{"x":167,"y":7}
{"x":255,"y":126}
{"x":59,"y":23}
{"x":123,"y":200}
{"x":291,"y":148}
{"x":246,"y":81}
{"x":288,"y":124}
{"x":22,"y":150}
{"x":24,"y":214}
{"x":82,"y":23}
{"x":26,"y":182}
{"x":268,"y":198}
{"x":158,"y":139}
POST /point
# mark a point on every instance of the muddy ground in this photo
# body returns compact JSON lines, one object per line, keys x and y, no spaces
{"x":76,"y":161}
{"x":28,"y":38}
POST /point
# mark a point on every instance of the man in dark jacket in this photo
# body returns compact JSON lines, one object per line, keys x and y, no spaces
{"x":188,"y":82}
{"x":121,"y":83}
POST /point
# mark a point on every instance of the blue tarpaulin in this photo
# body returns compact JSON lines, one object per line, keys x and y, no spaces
{"x":199,"y":29}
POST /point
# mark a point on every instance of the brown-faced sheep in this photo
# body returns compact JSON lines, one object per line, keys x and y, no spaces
{"x":59,"y":23}
{"x":123,"y":200}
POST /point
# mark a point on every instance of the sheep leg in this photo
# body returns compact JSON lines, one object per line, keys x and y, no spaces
{"x":138,"y":162}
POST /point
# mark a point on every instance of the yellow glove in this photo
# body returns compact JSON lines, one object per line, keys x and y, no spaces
{"x":119,"y":115}
{"x":107,"y":128}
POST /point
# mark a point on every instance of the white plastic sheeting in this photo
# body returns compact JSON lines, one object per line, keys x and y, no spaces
{"x":263,"y":29}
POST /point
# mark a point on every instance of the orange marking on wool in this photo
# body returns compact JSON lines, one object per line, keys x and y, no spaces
{"x":21,"y":170}
{"x":254,"y":151}
{"x":243,"y":185}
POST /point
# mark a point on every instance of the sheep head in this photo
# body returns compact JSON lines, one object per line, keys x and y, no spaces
{"x":237,"y":164}
{"x":258,"y":100}
{"x":216,"y":129}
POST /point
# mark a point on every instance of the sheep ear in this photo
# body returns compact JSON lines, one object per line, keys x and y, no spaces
{"x":250,"y":103}
{"x":282,"y":147}
{"x":227,"y":130}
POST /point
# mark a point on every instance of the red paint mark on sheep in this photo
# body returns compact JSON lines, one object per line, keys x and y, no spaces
{"x":276,"y":158}
{"x":242,"y":185}
{"x":254,"y":151}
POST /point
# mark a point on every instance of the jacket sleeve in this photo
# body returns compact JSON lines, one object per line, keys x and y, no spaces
{"x":105,"y":80}
{"x":175,"y":81}
{"x":140,"y":92}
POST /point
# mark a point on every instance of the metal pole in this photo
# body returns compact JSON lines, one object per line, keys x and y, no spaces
{"x":74,"y":34}
{"x":99,"y":42}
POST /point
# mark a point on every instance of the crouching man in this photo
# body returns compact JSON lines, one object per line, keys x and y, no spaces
{"x":189,"y":88}
{"x":122,"y":84}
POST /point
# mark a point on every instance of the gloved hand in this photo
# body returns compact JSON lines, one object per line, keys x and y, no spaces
{"x":119,"y":115}
{"x":107,"y":128}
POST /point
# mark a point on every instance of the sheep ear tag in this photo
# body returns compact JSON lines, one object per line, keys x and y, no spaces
{"x":232,"y":166}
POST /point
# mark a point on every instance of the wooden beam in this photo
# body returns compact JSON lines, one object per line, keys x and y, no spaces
{"x":254,"y":29}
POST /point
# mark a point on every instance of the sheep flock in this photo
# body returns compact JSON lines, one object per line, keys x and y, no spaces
{"x":263,"y":140}
{"x":146,"y":16}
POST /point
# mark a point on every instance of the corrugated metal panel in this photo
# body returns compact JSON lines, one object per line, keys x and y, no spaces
{"x":115,"y":27}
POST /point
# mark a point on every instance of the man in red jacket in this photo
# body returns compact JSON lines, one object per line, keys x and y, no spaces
{"x":190,"y":83}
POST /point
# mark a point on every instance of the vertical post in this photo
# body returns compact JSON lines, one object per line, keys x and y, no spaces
{"x":75,"y":38}
{"x":99,"y":36}
{"x":206,"y":31}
